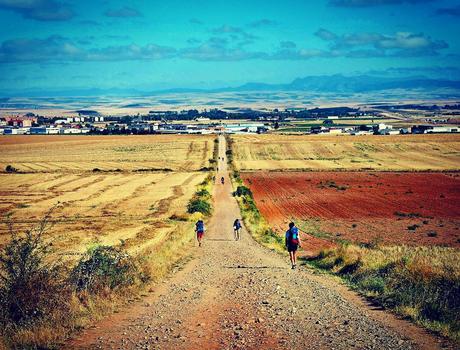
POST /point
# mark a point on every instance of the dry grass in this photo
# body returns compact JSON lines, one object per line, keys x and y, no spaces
{"x":98,"y":209}
{"x":320,"y":152}
{"x":108,"y":153}
{"x":421,"y":283}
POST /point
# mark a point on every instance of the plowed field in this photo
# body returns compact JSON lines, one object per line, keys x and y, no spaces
{"x":408,"y":208}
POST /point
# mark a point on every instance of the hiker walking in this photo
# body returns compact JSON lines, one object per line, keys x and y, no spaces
{"x":222,"y":180}
{"x":292,"y":241}
{"x":237,"y":229}
{"x":199,"y":229}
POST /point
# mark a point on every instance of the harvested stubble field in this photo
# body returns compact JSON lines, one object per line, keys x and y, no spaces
{"x":343,"y":152}
{"x":82,"y":153}
{"x":98,"y":207}
{"x":391,"y":207}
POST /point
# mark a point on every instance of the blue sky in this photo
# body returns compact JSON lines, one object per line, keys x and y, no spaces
{"x":150,"y":45}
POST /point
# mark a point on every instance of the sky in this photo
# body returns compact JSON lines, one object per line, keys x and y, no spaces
{"x":154,"y":45}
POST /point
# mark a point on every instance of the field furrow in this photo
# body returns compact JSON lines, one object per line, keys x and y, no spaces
{"x":408,"y":208}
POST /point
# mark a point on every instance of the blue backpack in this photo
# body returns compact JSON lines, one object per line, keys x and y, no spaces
{"x":200,"y":226}
{"x":294,"y":235}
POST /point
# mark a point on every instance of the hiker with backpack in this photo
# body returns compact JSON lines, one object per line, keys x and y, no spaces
{"x":292,"y":241}
{"x":237,"y":229}
{"x":199,"y":229}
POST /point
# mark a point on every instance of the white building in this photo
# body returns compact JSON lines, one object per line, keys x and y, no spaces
{"x":440,"y":129}
{"x":53,"y":131}
{"x":383,"y":126}
{"x":15,"y":131}
{"x":335,"y":131}
{"x":362,"y":132}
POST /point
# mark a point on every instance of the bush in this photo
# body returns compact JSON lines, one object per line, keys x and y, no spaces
{"x":11,"y":169}
{"x":243,"y":191}
{"x":30,"y":286}
{"x":203,"y":193}
{"x":38,"y":306}
{"x":104,"y":267}
{"x":200,"y":206}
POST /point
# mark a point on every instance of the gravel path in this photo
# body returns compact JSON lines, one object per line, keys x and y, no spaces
{"x":239,"y":295}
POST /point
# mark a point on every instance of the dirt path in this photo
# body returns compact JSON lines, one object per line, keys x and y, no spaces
{"x":239,"y":295}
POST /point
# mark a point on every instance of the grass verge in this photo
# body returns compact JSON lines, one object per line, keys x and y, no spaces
{"x":254,"y":222}
{"x":420,"y":283}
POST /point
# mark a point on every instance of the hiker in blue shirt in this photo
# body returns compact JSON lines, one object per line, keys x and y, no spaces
{"x":292,"y":241}
{"x":199,"y":229}
{"x":237,"y":229}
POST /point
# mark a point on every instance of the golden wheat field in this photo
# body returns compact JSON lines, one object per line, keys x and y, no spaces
{"x":343,"y":152}
{"x":80,"y":153}
{"x":97,"y":207}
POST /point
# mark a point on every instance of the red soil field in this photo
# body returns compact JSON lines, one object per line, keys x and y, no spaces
{"x":362,"y":206}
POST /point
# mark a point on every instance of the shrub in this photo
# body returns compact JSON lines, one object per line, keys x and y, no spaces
{"x":203,"y":193}
{"x":104,"y":267}
{"x":30,"y":286}
{"x":200,"y":206}
{"x":243,"y":191}
{"x":11,"y":169}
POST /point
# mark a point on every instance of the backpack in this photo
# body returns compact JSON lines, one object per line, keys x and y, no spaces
{"x":200,"y":226}
{"x":294,"y":235}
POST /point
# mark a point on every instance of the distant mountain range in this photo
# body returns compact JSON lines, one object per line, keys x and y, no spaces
{"x":320,"y":84}
{"x":354,"y":84}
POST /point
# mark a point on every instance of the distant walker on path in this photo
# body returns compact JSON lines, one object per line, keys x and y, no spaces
{"x":237,"y":229}
{"x":292,"y":241}
{"x":199,"y":229}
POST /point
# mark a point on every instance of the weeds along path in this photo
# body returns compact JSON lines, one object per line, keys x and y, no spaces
{"x":239,"y":295}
